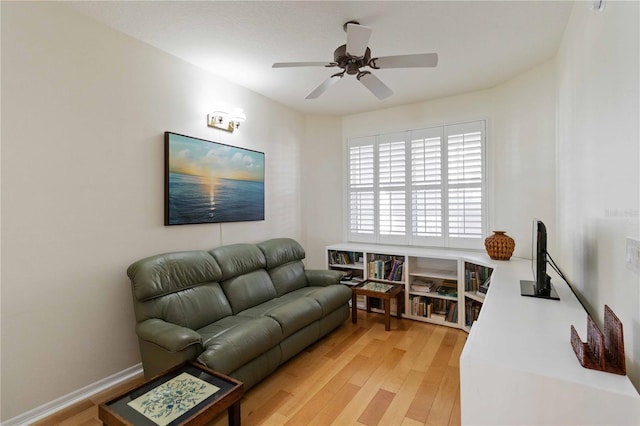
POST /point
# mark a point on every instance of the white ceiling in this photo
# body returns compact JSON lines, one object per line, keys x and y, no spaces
{"x":480,"y":43}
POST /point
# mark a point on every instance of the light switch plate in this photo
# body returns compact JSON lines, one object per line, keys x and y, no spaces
{"x":633,"y":255}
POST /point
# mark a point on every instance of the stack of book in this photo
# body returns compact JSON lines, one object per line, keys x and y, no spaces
{"x":422,"y":286}
{"x":448,"y":288}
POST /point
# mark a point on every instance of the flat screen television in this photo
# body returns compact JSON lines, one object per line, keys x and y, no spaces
{"x":541,"y":285}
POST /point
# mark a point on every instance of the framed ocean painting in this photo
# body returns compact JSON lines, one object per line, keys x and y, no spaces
{"x":209,"y":182}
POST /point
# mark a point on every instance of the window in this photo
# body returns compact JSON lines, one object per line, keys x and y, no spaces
{"x":423,"y":187}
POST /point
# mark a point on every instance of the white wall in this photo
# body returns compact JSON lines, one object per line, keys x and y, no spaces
{"x":598,"y":162}
{"x":520,"y":144}
{"x":84,"y":111}
{"x":322,"y":173}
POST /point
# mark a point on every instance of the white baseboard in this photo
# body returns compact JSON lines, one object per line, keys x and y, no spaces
{"x":65,"y":401}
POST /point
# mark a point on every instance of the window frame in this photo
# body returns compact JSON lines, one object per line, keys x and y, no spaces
{"x":409,"y":186}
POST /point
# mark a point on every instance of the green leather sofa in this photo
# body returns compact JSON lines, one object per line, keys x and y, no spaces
{"x":240,"y":309}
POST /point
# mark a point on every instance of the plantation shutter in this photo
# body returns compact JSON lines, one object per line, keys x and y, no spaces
{"x":465,"y":183}
{"x":427,"y":225}
{"x":424,"y":187}
{"x":361,"y":192}
{"x":392,"y":188}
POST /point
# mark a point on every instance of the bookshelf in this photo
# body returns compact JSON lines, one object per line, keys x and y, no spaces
{"x":350,"y":263}
{"x":437,"y":281}
{"x":477,"y":279}
{"x":433,"y":290}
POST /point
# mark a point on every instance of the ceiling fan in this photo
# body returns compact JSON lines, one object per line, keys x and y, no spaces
{"x":355,"y":55}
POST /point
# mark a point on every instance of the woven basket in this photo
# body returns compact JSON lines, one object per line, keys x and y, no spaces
{"x":499,"y":246}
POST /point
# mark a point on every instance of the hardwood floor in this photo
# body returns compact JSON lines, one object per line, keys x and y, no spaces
{"x":358,"y":375}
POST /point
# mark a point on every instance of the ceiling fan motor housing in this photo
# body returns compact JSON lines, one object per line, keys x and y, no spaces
{"x":351,"y":64}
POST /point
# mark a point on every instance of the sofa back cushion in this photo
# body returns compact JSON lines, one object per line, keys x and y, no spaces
{"x":284,"y":264}
{"x":182,"y":288}
{"x":245,"y":281}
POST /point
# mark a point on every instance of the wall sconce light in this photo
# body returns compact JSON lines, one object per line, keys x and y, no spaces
{"x":226,"y":121}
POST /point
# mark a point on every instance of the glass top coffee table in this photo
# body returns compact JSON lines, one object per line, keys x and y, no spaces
{"x":189,"y":394}
{"x":378,"y":290}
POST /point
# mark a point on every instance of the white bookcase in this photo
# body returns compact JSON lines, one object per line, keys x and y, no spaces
{"x":435,"y":280}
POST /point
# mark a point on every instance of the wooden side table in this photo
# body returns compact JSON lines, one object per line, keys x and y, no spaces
{"x":184,"y":395}
{"x":378,"y":290}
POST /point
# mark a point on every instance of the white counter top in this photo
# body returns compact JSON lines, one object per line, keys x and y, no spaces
{"x":518,"y":366}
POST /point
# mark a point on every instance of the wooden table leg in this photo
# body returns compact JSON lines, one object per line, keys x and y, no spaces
{"x":354,"y":307}
{"x":387,"y":313}
{"x":234,"y":414}
{"x":399,"y":304}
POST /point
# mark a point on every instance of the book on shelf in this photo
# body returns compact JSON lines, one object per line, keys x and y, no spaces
{"x":471,"y":311}
{"x":452,"y":312}
{"x":344,"y":258}
{"x":422,"y":285}
{"x":439,"y":306}
{"x":447,"y":291}
{"x":386,"y":268}
{"x":351,"y":277}
{"x":475,"y":276}
{"x":484,"y":287}
{"x":397,"y":268}
{"x":420,"y":306}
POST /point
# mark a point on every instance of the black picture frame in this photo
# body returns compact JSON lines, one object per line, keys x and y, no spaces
{"x":211,"y":182}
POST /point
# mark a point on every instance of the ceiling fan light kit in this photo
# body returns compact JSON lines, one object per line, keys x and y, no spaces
{"x":354,"y":55}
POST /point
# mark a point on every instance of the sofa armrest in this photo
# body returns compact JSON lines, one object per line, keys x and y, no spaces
{"x":170,"y":337}
{"x":322,"y":277}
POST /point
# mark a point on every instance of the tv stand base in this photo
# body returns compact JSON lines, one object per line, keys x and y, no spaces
{"x":528,"y":288}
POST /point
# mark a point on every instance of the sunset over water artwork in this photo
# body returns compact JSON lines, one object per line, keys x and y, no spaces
{"x":209,"y":182}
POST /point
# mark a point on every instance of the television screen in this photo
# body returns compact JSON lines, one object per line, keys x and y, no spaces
{"x":209,"y":182}
{"x":541,"y":285}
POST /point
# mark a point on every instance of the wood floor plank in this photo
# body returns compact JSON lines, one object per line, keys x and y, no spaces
{"x":454,"y":360}
{"x":66,"y":413}
{"x":376,"y":408}
{"x":400,"y":405}
{"x":456,"y":415}
{"x":440,"y":412}
{"x":361,"y":400}
{"x":335,"y":405}
{"x":358,"y":375}
{"x":342,"y":345}
{"x":323,"y":372}
{"x":266,"y":410}
{"x":426,"y":395}
{"x":429,"y":350}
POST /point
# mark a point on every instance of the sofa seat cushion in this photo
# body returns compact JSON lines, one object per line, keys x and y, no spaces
{"x":331,"y":297}
{"x":232,"y":342}
{"x":292,"y":315}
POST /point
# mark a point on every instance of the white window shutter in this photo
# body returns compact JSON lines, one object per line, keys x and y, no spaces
{"x":392,"y":188}
{"x":427,"y":227}
{"x":465,"y":179}
{"x":361,"y":198}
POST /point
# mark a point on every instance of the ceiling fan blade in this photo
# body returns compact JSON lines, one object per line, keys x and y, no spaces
{"x":324,"y":86}
{"x":357,"y":39}
{"x":376,"y":86}
{"x":406,"y":61}
{"x":301,"y":64}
